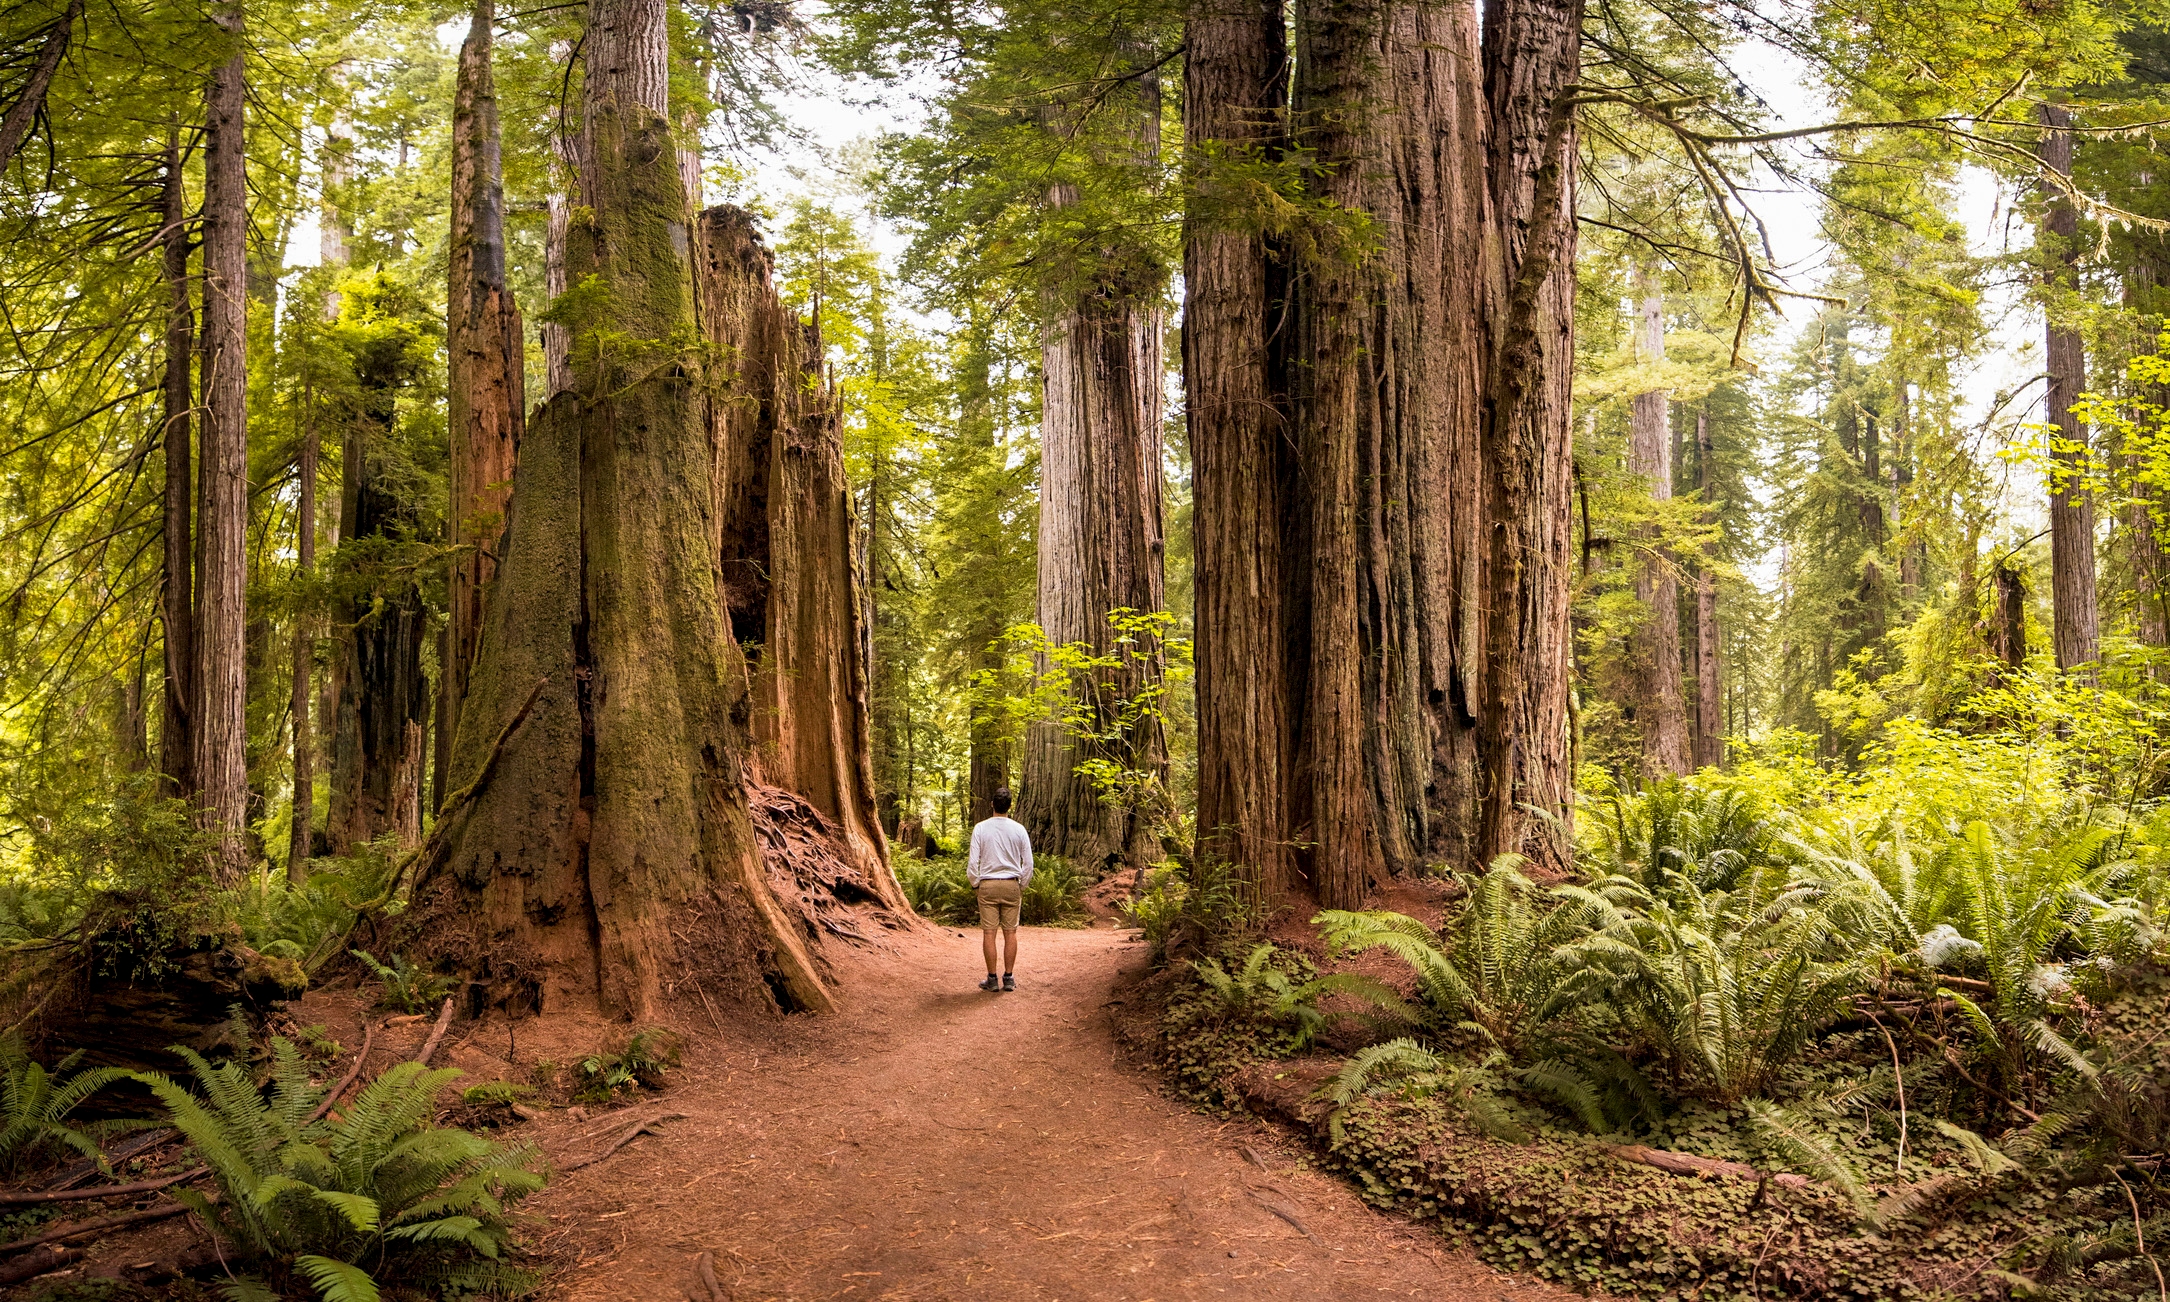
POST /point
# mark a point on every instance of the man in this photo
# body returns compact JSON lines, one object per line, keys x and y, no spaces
{"x":999,"y":867}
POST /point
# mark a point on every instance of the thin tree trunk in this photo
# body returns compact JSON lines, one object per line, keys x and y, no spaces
{"x":2008,"y":614}
{"x":15,"y":123}
{"x":1659,"y":707}
{"x":1709,"y":697}
{"x":987,"y":766}
{"x":221,"y":721}
{"x":1234,"y":109}
{"x":2071,"y":504}
{"x":177,"y":597}
{"x":300,"y":840}
{"x":487,"y":402}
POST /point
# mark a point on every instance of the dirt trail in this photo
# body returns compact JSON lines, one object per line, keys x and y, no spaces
{"x":937,"y":1142}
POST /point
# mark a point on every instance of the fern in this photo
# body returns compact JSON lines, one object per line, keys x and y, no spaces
{"x":308,"y":1201}
{"x":35,"y":1104}
{"x":408,"y":988}
{"x":1262,"y":992}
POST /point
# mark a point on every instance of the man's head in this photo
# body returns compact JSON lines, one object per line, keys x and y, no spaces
{"x":1002,"y":800}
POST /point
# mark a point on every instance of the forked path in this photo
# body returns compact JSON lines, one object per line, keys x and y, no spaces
{"x":938,"y":1142}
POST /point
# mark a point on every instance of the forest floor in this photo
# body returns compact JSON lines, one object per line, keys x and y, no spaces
{"x":938,"y":1142}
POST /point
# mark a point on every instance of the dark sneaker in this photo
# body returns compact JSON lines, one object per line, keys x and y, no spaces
{"x":990,"y":983}
{"x":1009,"y":982}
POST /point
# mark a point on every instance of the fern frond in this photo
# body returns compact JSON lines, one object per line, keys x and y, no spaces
{"x":1785,"y":1137}
{"x":1562,"y":1083}
{"x":336,"y":1281}
{"x":1986,"y":1157}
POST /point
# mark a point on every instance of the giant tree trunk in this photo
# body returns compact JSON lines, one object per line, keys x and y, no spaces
{"x":177,"y":597}
{"x":1659,"y":707}
{"x":2071,"y":506}
{"x":300,"y":840}
{"x":487,"y":373}
{"x":221,"y":719}
{"x":598,"y":849}
{"x":786,"y":537}
{"x":1100,"y":536}
{"x":1420,"y":622}
{"x":1709,"y":703}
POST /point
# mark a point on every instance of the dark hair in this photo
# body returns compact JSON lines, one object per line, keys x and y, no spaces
{"x":1002,"y":800}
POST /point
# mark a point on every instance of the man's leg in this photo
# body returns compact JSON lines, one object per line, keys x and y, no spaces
{"x":987,"y":942}
{"x":1009,"y":951}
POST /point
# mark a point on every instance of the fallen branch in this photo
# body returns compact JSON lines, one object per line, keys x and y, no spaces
{"x":645,"y":1126}
{"x":100,"y":1191}
{"x":134,"y":1144}
{"x":99,"y":1226}
{"x":1690,"y":1164}
{"x":369,"y":1033}
{"x":34,"y":1264}
{"x":437,"y":1033}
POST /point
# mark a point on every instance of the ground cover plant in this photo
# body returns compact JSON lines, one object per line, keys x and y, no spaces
{"x":1912,"y":1015}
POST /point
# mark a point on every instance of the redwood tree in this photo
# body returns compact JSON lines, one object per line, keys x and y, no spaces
{"x":486,"y":362}
{"x":597,"y":848}
{"x":177,"y":597}
{"x":1409,"y":612}
{"x":1659,"y":707}
{"x":2071,"y":507}
{"x":220,"y":720}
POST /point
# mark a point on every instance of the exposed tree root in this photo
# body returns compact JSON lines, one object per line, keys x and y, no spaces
{"x":645,"y":1126}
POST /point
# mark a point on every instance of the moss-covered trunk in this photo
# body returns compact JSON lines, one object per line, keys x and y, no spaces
{"x":597,"y":849}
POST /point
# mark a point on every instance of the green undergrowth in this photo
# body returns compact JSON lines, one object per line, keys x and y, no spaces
{"x":1963,"y":1221}
{"x":939,"y":889}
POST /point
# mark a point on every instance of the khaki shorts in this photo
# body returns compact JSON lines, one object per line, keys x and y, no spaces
{"x":999,"y":898}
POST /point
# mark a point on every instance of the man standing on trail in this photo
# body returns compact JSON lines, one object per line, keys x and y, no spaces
{"x":1000,"y":865}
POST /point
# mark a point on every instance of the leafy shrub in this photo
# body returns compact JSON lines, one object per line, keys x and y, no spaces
{"x":334,"y":1208}
{"x":35,"y":1104}
{"x":407,"y":986}
{"x":1052,"y":897}
{"x":641,"y":1064}
{"x":308,"y":923}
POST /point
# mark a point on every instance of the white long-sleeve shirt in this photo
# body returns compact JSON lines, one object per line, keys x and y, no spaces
{"x":1000,"y":848}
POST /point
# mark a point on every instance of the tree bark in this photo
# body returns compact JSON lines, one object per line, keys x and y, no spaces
{"x":2071,"y":505}
{"x":1235,"y":92}
{"x":177,"y":596}
{"x":1659,"y":709}
{"x":786,"y":536}
{"x":1532,"y":52}
{"x":1101,"y":539}
{"x":2008,"y":613}
{"x":221,"y":720}
{"x":1709,"y":701}
{"x":485,"y":357}
{"x":15,"y":123}
{"x":599,"y":850}
{"x":1421,"y":631}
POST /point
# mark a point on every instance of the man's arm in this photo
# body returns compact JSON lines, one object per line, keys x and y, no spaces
{"x":1024,"y":878}
{"x":972,"y":860}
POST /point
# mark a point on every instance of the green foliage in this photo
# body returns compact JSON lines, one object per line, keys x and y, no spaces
{"x":407,"y":986}
{"x":643,"y":1062}
{"x":1260,"y":990}
{"x":939,"y":889}
{"x":344,"y":1207}
{"x":35,"y":1104}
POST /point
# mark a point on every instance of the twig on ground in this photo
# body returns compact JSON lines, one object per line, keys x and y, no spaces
{"x":645,"y":1126}
{"x":369,"y":1033}
{"x":437,"y":1033}
{"x":2139,"y":1235}
{"x":1285,"y":1215}
{"x":99,"y":1226}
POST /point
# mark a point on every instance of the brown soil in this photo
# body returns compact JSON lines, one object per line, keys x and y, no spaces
{"x":937,"y":1142}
